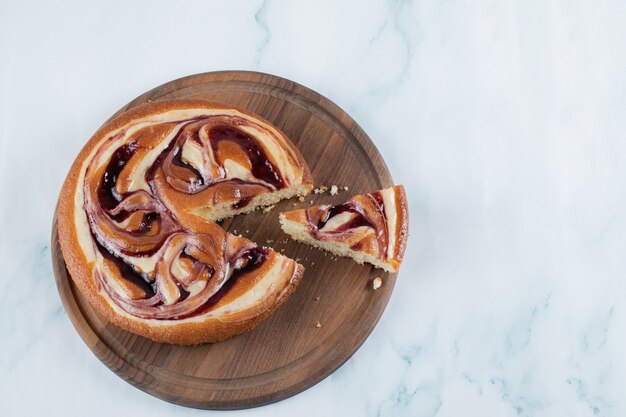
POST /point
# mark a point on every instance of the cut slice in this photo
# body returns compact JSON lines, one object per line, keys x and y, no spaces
{"x":369,"y":228}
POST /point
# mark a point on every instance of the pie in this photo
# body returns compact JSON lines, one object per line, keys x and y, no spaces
{"x":137,"y":212}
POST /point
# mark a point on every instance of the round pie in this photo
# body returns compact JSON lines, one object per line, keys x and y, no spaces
{"x":136,"y":220}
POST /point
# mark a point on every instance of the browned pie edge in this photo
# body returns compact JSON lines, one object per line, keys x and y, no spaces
{"x":402,"y":225}
{"x":183,"y":333}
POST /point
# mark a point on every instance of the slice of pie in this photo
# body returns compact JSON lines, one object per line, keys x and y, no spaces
{"x":369,"y":228}
{"x":136,"y":214}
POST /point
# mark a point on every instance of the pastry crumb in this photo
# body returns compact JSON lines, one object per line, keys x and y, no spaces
{"x":376,"y":283}
{"x":318,"y":324}
{"x":334,"y":190}
{"x":321,"y":189}
{"x":317,"y":298}
{"x":266,"y":209}
{"x":345,"y":188}
{"x":247,"y":231}
{"x":235,"y":231}
{"x":301,"y":199}
{"x":269,"y":241}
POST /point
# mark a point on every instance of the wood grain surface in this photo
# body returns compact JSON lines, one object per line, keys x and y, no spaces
{"x":287,"y":353}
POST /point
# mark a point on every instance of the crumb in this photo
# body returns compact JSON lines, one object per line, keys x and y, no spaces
{"x":312,"y":263}
{"x":321,"y":189}
{"x":282,"y":250}
{"x":297,"y":259}
{"x":301,"y":199}
{"x":376,"y":283}
{"x":247,"y":231}
{"x":269,"y":241}
{"x":266,"y":209}
{"x":235,"y":231}
{"x":311,"y":201}
{"x":345,"y":188}
{"x":334,"y":190}
{"x":318,"y":324}
{"x":317,"y":298}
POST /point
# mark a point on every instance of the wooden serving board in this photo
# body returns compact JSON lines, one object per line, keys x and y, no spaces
{"x":287,"y":353}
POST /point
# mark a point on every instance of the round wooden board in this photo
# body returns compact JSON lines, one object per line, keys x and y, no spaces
{"x":287,"y":353}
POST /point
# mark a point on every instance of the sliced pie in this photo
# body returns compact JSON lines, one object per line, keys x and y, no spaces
{"x":136,"y":219}
{"x":369,"y":228}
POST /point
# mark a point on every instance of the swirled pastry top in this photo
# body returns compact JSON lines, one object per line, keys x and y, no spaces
{"x":135,"y":211}
{"x":371,"y":227}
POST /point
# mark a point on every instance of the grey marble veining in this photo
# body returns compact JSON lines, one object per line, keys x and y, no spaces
{"x":504,"y":120}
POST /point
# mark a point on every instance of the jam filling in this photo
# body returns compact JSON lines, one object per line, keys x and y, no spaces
{"x":109,"y":198}
{"x":194,"y":176}
{"x":360,"y":217}
{"x":157,"y":226}
{"x":358,"y":220}
{"x":253,"y":259}
{"x":129,"y":273}
{"x":262,"y":168}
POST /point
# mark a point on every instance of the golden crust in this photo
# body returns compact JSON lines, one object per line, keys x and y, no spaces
{"x":184,"y":332}
{"x":402,"y":224}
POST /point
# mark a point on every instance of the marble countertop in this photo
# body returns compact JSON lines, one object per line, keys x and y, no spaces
{"x":505,"y":121}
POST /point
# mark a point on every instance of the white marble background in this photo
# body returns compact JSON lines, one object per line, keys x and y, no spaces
{"x":506,"y":121}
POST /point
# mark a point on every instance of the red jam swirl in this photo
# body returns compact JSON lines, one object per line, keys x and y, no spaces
{"x":262,"y":168}
{"x":367,"y":210}
{"x":138,"y":224}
